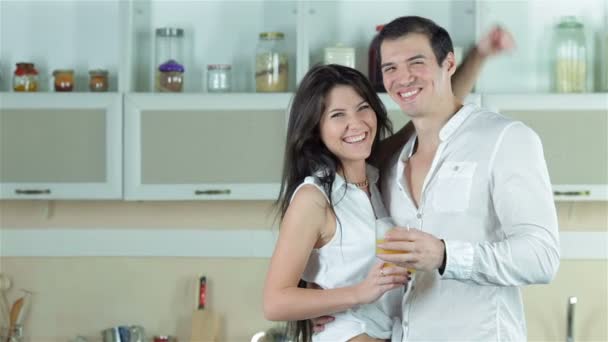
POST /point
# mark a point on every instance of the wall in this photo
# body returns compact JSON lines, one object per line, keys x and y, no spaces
{"x":83,"y":295}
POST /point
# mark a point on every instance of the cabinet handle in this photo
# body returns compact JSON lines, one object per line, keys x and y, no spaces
{"x":572,"y":193}
{"x":33,"y":192}
{"x":212,"y":192}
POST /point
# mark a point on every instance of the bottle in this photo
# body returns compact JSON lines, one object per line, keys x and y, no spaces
{"x":271,"y":66}
{"x":374,"y":71}
{"x":570,"y":53}
{"x":25,"y":78}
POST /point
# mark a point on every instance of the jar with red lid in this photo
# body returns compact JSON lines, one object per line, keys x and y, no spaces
{"x":25,"y":78}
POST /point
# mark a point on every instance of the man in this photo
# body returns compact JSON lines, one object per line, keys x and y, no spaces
{"x":473,"y":186}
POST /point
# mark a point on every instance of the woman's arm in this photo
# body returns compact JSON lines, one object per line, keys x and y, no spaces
{"x":300,"y":231}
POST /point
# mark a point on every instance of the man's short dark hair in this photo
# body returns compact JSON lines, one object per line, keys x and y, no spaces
{"x":440,"y":40}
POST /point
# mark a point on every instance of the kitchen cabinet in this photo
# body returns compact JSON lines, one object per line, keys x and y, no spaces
{"x":574,"y":133}
{"x":60,"y":147}
{"x":161,"y":129}
{"x":213,"y":146}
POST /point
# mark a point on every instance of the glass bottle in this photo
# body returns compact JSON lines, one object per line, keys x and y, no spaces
{"x":98,"y":80}
{"x":271,"y":67}
{"x":25,"y":78}
{"x":169,"y":59}
{"x":64,"y":80}
{"x":570,"y":53}
{"x":219,"y":78}
{"x":374,"y":72}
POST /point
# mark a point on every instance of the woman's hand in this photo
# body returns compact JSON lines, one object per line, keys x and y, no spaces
{"x":380,"y":279}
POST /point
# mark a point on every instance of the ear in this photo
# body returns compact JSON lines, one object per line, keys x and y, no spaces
{"x":450,"y":63}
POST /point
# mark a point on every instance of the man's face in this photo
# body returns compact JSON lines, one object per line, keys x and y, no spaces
{"x":412,"y":76}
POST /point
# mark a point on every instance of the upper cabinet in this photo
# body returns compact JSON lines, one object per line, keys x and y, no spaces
{"x":60,"y":147}
{"x":204,"y":146}
{"x":574,"y":133}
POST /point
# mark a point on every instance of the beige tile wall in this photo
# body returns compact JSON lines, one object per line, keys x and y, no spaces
{"x":84,"y":295}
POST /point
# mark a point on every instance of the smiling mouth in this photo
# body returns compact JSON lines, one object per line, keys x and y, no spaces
{"x":408,"y":95}
{"x":353,"y":139}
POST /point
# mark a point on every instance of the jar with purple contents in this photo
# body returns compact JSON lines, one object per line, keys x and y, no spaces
{"x":170,"y":77}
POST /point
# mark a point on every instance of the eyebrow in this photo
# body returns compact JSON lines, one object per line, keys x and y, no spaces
{"x":340,"y":109}
{"x":407,"y":60}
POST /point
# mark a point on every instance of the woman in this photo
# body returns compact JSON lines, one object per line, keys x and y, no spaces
{"x":328,"y":207}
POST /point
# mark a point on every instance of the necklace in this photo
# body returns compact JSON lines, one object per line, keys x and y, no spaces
{"x":361,"y":185}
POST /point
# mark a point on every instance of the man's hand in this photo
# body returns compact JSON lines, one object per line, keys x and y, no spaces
{"x":419,"y":250}
{"x":496,"y":41}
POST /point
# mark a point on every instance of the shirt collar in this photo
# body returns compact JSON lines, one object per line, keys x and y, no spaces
{"x":444,"y":134}
{"x":455,"y":121}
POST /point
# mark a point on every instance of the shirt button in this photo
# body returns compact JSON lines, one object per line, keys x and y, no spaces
{"x":419,"y":215}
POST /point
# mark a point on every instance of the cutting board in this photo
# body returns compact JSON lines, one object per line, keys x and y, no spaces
{"x":205,"y":326}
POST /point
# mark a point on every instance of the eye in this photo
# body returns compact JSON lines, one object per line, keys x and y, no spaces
{"x":418,"y":62}
{"x":335,"y":115}
{"x":387,"y":69}
{"x":364,"y":107}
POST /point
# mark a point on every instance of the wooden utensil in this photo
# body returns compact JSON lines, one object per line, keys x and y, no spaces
{"x":205,"y":326}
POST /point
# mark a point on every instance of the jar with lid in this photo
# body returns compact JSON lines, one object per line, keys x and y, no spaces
{"x":169,"y":59}
{"x":374,"y":72}
{"x":25,"y":77}
{"x":339,"y":54}
{"x":98,"y":80}
{"x":570,"y":53}
{"x":170,"y":77}
{"x":271,"y":67}
{"x":64,"y":80}
{"x":219,"y":78}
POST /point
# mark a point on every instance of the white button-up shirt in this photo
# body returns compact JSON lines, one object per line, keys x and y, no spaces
{"x":488,"y":195}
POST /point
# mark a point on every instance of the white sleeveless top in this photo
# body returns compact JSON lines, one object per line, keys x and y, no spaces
{"x":347,"y":258}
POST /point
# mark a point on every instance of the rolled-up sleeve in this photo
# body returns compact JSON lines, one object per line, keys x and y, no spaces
{"x":521,"y":193}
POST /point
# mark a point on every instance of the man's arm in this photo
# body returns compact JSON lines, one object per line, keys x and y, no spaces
{"x":528,"y":252}
{"x":496,"y":41}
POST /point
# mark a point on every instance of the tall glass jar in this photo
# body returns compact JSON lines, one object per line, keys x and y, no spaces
{"x":271,"y":67}
{"x":570,"y":53}
{"x":25,"y":77}
{"x":169,"y":58}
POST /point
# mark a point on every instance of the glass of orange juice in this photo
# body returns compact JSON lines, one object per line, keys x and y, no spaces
{"x":383,"y":225}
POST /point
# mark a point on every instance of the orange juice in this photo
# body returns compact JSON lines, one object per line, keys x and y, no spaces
{"x":389,"y":251}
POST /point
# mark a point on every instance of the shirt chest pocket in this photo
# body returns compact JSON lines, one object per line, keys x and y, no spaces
{"x":452,"y":190}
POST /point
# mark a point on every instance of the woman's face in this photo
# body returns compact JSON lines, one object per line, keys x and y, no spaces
{"x":348,"y":125}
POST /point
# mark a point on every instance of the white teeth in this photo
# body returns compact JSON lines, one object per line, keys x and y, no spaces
{"x":355,"y":138}
{"x":410,"y":93}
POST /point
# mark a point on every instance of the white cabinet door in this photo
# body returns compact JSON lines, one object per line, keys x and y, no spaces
{"x":574,"y":132}
{"x":224,"y":146}
{"x":60,"y":146}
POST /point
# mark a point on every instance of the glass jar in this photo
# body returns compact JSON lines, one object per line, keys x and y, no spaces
{"x":64,"y":80}
{"x":25,"y":77}
{"x":169,"y":54}
{"x":339,"y":54}
{"x":219,"y":78}
{"x":373,"y":66}
{"x":570,"y":55}
{"x":271,"y":68}
{"x":170,"y":77}
{"x":98,"y":80}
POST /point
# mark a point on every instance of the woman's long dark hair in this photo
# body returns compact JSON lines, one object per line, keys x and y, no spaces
{"x":305,"y":152}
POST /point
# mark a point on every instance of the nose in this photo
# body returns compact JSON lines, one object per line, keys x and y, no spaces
{"x":403,"y":76}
